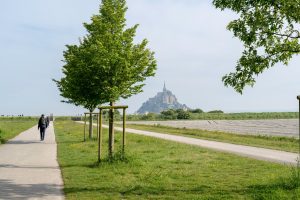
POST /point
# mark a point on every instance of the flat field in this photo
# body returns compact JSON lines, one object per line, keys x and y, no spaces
{"x":10,"y":127}
{"x":245,"y":116}
{"x":288,"y":144}
{"x":159,"y":169}
{"x":275,"y":127}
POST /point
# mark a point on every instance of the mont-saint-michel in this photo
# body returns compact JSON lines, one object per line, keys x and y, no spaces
{"x":162,"y":101}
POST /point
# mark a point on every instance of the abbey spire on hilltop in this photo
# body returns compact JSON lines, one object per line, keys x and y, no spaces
{"x":162,"y":101}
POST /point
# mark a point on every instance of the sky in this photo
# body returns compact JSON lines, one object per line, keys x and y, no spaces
{"x":192,"y":46}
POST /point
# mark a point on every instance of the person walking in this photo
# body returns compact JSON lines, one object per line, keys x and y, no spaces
{"x":47,"y":121}
{"x":42,"y":126}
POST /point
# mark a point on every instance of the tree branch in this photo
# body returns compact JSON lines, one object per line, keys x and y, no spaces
{"x":286,"y":35}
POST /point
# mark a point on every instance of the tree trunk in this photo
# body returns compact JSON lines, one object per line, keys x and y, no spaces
{"x":91,"y":126}
{"x":111,"y":131}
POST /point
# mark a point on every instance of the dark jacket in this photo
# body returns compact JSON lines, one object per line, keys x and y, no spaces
{"x":42,"y":123}
{"x":47,"y":121}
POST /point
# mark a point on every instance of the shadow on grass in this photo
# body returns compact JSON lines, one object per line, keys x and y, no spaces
{"x":81,"y":141}
{"x":106,"y":161}
{"x":257,"y":192}
{"x":90,"y":165}
{"x":70,"y":142}
{"x":138,"y":190}
{"x":274,"y":190}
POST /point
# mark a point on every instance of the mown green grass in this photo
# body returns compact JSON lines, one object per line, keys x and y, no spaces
{"x":10,"y":127}
{"x":271,"y":142}
{"x":159,"y":169}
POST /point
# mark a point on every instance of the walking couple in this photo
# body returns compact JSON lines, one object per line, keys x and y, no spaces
{"x":43,"y":124}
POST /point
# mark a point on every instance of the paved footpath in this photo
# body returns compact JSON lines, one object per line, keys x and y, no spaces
{"x":29,"y":169}
{"x":247,"y":151}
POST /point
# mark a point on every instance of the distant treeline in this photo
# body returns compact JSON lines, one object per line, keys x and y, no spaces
{"x":196,"y":114}
{"x":211,"y":115}
{"x":17,"y":118}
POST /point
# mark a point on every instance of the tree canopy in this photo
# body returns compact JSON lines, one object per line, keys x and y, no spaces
{"x":269,"y":30}
{"x":106,"y":65}
{"x":81,"y":86}
{"x":121,"y":64}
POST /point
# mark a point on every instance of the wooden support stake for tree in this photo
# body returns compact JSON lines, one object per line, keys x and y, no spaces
{"x":100,"y":135}
{"x":97,"y":126}
{"x":298,"y":97}
{"x":124,"y":132}
{"x":84,"y":127}
{"x":111,"y":131}
{"x":91,"y":126}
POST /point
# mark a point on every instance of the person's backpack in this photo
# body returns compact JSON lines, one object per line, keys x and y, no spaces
{"x":43,"y":122}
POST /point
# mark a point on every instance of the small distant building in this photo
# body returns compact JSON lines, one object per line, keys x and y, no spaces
{"x":162,"y":101}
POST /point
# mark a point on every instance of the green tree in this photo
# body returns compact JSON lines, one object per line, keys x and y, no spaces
{"x":80,"y":85}
{"x":117,"y":65}
{"x":123,"y":65}
{"x":106,"y":65}
{"x":149,"y":116}
{"x":216,"y":111}
{"x":182,"y":114}
{"x":197,"y":110}
{"x":269,"y":30}
{"x":169,"y":114}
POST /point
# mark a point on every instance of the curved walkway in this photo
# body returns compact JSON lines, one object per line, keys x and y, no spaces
{"x":242,"y":150}
{"x":248,"y":151}
{"x":29,"y":169}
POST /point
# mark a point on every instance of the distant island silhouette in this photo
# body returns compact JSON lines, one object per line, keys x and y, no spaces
{"x":162,"y":101}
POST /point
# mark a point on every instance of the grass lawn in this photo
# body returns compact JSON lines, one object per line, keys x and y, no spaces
{"x":10,"y":127}
{"x":271,"y":142}
{"x":159,"y":169}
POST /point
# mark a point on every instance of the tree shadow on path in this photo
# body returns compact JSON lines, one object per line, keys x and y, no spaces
{"x":10,"y":190}
{"x":22,"y":142}
{"x":11,"y":166}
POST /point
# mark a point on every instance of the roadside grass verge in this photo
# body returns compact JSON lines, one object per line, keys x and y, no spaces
{"x":159,"y":169}
{"x":271,"y":142}
{"x":11,"y":127}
